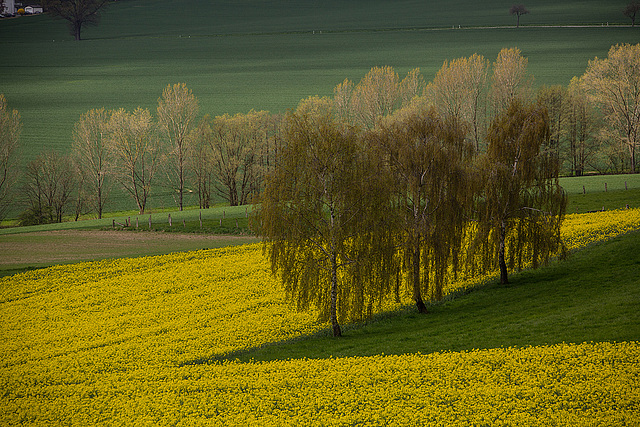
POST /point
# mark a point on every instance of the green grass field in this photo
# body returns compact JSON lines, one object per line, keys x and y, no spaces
{"x":236,"y":56}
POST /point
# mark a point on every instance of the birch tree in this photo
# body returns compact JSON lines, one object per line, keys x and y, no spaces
{"x":316,"y":217}
{"x":521,"y":205}
{"x":427,"y":159}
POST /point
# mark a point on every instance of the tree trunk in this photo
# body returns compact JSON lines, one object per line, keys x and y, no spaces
{"x":504,"y":278}
{"x":337,"y":332}
{"x":415,"y":264}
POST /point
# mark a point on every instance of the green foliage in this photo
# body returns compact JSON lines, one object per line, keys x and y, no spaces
{"x":521,"y":203}
{"x":319,"y":217}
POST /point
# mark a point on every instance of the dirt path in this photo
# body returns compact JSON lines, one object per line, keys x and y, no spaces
{"x":19,"y":251}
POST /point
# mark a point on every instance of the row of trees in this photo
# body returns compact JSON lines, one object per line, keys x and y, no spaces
{"x":593,"y":124}
{"x":224,"y":156}
{"x":377,"y":189}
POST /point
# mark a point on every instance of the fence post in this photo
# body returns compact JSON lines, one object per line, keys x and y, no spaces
{"x":136,"y":223}
{"x":184,"y":223}
{"x":224,"y":214}
{"x":128,"y":221}
{"x":625,"y":185}
{"x":583,"y":190}
{"x":149,"y":222}
{"x":114,"y":223}
{"x":169,"y":220}
{"x":200,"y":219}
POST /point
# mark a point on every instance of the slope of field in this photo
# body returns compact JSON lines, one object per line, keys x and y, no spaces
{"x":143,"y":341}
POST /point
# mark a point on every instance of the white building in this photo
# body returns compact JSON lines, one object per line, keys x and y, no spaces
{"x":33,"y":9}
{"x":9,"y":6}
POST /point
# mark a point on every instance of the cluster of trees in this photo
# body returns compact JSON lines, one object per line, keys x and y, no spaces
{"x":225,"y":156}
{"x":395,"y":183}
{"x":593,"y":126}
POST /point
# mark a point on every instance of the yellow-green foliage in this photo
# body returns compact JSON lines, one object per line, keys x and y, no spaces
{"x":125,"y":342}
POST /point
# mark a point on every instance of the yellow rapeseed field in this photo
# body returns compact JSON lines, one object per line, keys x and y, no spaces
{"x":144,"y":341}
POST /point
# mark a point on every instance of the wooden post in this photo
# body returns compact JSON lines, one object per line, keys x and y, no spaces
{"x":114,"y":223}
{"x":128,"y":221}
{"x":583,"y":190}
{"x":236,"y":222}
{"x":224,"y":214}
{"x":169,"y":220}
{"x":220,"y":222}
{"x":136,"y":223}
{"x":246,"y":213}
{"x":149,"y":222}
{"x":200,"y":219}
{"x":184,"y":223}
{"x":625,"y":185}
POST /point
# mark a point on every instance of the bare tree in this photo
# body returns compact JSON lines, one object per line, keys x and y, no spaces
{"x":236,"y":144}
{"x":134,"y":142}
{"x":202,"y":162}
{"x":518,"y":10}
{"x":49,"y":184}
{"x":93,"y":157}
{"x":177,"y":111}
{"x":79,"y":13}
{"x":613,"y":83}
{"x":631,"y":10}
{"x":510,"y":80}
{"x":459,"y":90}
{"x":10,"y":128}
{"x":580,"y":128}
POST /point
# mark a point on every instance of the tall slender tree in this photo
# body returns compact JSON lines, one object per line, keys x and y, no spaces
{"x":177,"y":111}
{"x":518,"y":10}
{"x":318,"y":217}
{"x":93,"y":158}
{"x":521,"y":205}
{"x":427,"y":158}
{"x":134,"y":141}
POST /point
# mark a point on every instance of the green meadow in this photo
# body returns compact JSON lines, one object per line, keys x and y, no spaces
{"x":241,"y":55}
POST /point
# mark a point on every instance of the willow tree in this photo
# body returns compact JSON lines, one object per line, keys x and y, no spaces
{"x":319,"y":217}
{"x":427,"y":157}
{"x":177,"y":111}
{"x":521,"y":204}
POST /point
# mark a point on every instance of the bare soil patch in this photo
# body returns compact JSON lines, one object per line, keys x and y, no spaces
{"x":38,"y":249}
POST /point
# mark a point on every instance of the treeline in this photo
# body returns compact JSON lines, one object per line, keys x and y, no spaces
{"x":593,"y":127}
{"x":395,"y":186}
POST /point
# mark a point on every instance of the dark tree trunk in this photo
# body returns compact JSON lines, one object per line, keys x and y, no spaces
{"x":504,"y":278}
{"x":337,"y":332}
{"x":417,"y":294}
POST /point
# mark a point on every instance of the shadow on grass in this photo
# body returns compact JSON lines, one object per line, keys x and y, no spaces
{"x":592,"y":296}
